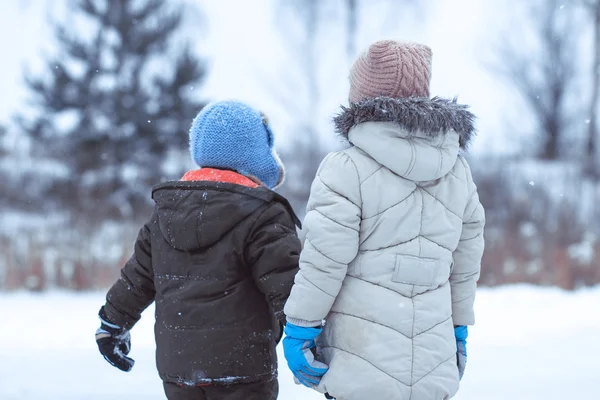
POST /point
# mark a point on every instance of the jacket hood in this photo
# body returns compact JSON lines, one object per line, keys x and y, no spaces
{"x":417,"y":138}
{"x":194,"y":215}
{"x":429,"y":117}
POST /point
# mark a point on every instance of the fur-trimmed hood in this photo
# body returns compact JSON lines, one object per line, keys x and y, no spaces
{"x":428,"y":117}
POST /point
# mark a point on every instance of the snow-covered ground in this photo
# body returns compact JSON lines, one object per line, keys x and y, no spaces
{"x":529,"y":343}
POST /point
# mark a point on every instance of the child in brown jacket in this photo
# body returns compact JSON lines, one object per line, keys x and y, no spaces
{"x":218,"y":257}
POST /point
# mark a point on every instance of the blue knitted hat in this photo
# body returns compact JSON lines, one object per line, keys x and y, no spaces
{"x":233,"y":135}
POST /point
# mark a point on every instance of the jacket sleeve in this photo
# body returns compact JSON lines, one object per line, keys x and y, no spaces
{"x":272,"y":252}
{"x":134,"y":291}
{"x":332,"y":226}
{"x":467,"y":257}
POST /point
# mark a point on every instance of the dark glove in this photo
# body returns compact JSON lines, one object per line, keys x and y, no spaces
{"x":461,"y":333}
{"x":114,"y":343}
{"x":280,"y":333}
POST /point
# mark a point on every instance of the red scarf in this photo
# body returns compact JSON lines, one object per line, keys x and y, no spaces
{"x":218,"y":175}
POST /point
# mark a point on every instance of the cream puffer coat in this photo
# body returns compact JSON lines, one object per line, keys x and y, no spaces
{"x":393,"y":251}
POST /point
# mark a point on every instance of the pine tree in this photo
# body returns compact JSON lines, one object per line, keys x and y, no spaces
{"x":114,"y":107}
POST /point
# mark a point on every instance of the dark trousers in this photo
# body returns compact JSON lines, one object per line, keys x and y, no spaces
{"x":240,"y":391}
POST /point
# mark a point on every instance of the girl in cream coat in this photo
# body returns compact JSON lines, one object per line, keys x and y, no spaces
{"x":394,"y":241}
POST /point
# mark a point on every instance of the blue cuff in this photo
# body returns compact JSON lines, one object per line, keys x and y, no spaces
{"x":105,"y":322}
{"x":299,"y":332}
{"x":461,"y":332}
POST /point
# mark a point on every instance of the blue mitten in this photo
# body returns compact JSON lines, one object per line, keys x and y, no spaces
{"x":298,"y":346}
{"x":461,"y":333}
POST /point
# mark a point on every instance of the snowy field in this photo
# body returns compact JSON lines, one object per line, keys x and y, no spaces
{"x":528,"y":343}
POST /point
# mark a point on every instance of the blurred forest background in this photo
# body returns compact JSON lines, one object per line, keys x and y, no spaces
{"x":102,"y":93}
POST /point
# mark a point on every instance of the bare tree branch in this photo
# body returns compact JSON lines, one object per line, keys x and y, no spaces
{"x":592,"y":166}
{"x":543,"y":76}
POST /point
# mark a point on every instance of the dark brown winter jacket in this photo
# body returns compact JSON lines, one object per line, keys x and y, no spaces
{"x":219,"y":260}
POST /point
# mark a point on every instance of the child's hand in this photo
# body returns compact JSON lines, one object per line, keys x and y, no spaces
{"x":297,"y":348}
{"x":114,"y":344}
{"x":461,"y":333}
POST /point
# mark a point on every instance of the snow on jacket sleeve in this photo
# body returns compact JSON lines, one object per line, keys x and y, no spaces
{"x":134,"y":291}
{"x":272,"y":252}
{"x":332,"y":226}
{"x":467,"y":257}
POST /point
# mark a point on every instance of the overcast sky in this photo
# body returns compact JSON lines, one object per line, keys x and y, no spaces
{"x":245,"y":53}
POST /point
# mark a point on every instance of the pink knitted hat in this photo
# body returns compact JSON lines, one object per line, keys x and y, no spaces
{"x":391,"y":69}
